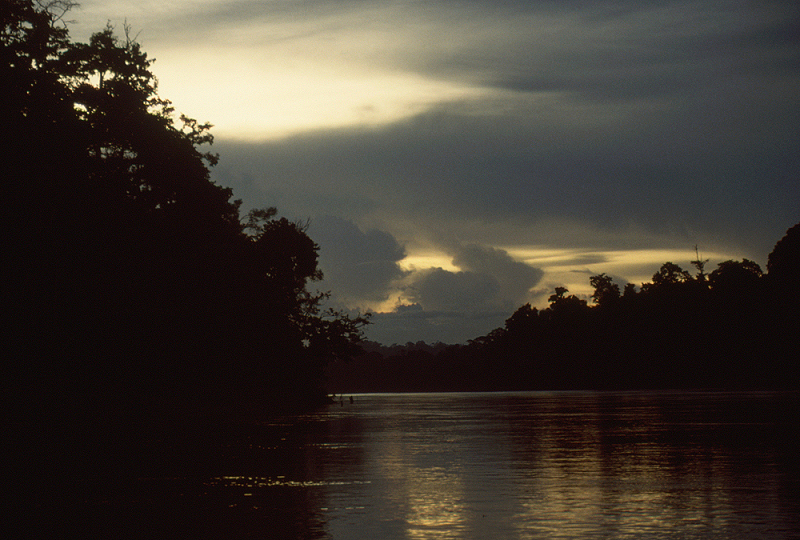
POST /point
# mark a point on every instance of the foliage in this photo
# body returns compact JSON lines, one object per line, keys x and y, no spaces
{"x":134,"y":281}
{"x":606,"y":292}
{"x":783,"y":264}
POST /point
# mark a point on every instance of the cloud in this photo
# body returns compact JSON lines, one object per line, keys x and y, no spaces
{"x":358,"y":265}
{"x":583,"y":259}
{"x":514,"y":279}
{"x":488,"y":279}
{"x":519,"y":171}
{"x":492,"y":133}
{"x":365,"y":269}
{"x":248,"y":65}
{"x":667,"y":115}
{"x":436,"y":289}
{"x":455,"y":306}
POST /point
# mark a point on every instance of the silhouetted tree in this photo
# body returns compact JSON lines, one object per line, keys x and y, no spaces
{"x":734,"y":277}
{"x":606,"y":292}
{"x":783,"y":286}
{"x":700,"y":265}
{"x":783,"y":264}
{"x":132,"y":276}
{"x":668,"y":275}
{"x":557,"y":295}
{"x":522,"y":320}
{"x":629,"y":291}
{"x":565,"y":306}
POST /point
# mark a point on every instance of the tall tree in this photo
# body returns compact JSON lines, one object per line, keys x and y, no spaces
{"x":783,"y":264}
{"x":130,"y":265}
{"x":606,"y":292}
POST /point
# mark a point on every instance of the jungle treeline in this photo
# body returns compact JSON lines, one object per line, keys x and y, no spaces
{"x":138,"y":297}
{"x":731,"y":327}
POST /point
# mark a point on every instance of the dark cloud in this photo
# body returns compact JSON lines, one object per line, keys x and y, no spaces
{"x":677,"y":117}
{"x":454,"y":306}
{"x":514,"y":278}
{"x":671,"y":118}
{"x":665,"y":170}
{"x":358,"y":266}
{"x":436,"y":289}
{"x":616,"y":51}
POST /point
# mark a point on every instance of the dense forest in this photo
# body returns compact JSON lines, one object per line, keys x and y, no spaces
{"x":733,"y":327}
{"x":144,"y":310}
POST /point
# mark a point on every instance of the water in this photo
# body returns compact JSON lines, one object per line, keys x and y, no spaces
{"x":506,"y":465}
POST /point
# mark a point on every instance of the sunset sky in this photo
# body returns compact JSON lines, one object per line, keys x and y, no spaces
{"x":457,"y":159}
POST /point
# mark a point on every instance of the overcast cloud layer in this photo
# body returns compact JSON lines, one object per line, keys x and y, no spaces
{"x":460,"y":158}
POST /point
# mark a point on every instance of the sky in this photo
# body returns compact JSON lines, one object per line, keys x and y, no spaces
{"x":456,"y":159}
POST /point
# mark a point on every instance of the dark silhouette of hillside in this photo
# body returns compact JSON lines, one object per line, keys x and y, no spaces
{"x":735,"y":327}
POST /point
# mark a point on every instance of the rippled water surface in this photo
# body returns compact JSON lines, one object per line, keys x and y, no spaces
{"x":519,"y":465}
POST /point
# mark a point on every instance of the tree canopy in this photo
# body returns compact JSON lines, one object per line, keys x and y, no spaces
{"x":133,"y":278}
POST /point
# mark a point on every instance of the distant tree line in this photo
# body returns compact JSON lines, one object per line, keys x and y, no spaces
{"x":733,"y":327}
{"x":134,"y":289}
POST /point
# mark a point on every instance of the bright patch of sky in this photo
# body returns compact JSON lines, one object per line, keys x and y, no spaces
{"x":271,"y":69}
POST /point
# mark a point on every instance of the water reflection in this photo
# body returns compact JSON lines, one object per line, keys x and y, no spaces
{"x":690,"y":466}
{"x":571,"y":465}
{"x":501,"y":466}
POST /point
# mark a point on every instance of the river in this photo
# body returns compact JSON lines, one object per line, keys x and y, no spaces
{"x":516,"y":465}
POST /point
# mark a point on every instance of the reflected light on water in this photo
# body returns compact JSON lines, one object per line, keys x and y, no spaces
{"x":573,"y":465}
{"x":435,"y":504}
{"x":427,"y":498}
{"x":506,"y":466}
